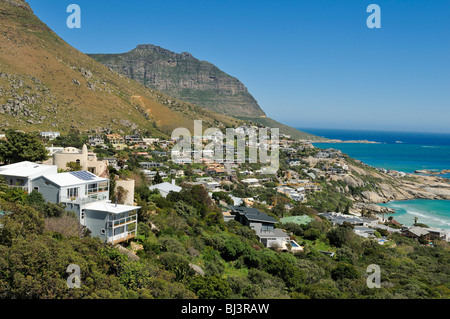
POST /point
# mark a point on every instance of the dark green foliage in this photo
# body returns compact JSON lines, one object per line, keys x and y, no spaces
{"x":74,"y":167}
{"x":177,"y":264}
{"x":218,"y":196}
{"x":210,"y":287}
{"x":296,"y":229}
{"x":344,"y":271}
{"x":35,"y":199}
{"x":302,"y":210}
{"x":74,"y":139}
{"x":340,"y":236}
{"x":20,"y":222}
{"x":20,"y":146}
{"x":15,"y":195}
{"x":312,"y":234}
{"x":233,"y":248}
{"x":157,"y":179}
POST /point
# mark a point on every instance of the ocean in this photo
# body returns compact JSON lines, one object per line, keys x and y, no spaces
{"x":434,"y":213}
{"x":401,"y":151}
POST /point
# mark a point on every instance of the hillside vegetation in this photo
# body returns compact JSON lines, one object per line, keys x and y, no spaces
{"x":45,"y":84}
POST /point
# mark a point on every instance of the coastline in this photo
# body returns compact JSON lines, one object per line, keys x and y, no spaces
{"x":336,"y":141}
{"x":433,"y":213}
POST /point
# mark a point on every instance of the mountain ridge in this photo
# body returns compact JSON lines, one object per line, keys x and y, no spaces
{"x":185,"y":77}
{"x":46,"y":84}
{"x":179,"y":74}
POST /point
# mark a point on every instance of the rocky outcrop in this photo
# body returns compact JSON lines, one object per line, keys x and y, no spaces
{"x":373,"y":208}
{"x":182,"y":76}
{"x":18,"y":3}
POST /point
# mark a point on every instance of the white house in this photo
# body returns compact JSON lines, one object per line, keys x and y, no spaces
{"x":81,"y":192}
{"x":50,"y":135}
{"x":165,"y":188}
{"x":22,"y":174}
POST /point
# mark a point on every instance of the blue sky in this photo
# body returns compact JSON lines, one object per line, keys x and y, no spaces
{"x":308,"y":63}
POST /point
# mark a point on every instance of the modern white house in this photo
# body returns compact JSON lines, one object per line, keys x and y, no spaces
{"x":23,"y":174}
{"x":50,"y":135}
{"x":81,"y":192}
{"x":165,"y":188}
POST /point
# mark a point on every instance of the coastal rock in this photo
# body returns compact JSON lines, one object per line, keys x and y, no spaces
{"x":441,"y":193}
{"x":352,"y":181}
{"x":197,"y":269}
{"x":372,"y":197}
{"x":373,"y":208}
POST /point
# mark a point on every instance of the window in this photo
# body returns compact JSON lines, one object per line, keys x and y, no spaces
{"x":103,"y":232}
{"x":82,"y":215}
{"x":72,"y":192}
{"x":36,"y":188}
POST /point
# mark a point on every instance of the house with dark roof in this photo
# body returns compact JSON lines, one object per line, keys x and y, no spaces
{"x":262,"y":224}
{"x":415,"y":232}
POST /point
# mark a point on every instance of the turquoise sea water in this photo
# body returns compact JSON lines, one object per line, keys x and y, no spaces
{"x":404,"y":152}
{"x":434,"y":213}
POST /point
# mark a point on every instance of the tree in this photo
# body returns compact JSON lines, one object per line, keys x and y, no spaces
{"x":340,"y":236}
{"x":157,"y":179}
{"x":218,"y":196}
{"x":122,"y":157}
{"x":210,"y":287}
{"x":74,"y":167}
{"x":121,"y":194}
{"x":344,"y":270}
{"x":20,"y":146}
{"x":3,"y":186}
{"x":35,"y":199}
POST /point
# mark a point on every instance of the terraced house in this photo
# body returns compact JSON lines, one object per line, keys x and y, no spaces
{"x":81,"y":192}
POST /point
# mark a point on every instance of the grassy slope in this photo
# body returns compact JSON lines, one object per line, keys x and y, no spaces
{"x":30,"y":50}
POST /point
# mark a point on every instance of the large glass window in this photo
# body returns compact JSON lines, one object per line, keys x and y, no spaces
{"x":96,"y":187}
{"x":72,"y":192}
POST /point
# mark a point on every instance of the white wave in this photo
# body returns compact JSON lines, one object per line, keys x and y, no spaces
{"x":425,"y":217}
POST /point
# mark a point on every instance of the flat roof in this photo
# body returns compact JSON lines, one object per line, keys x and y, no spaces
{"x":277,"y":233}
{"x":25,"y":169}
{"x":74,"y":178}
{"x":166,"y":187}
{"x":107,"y":206}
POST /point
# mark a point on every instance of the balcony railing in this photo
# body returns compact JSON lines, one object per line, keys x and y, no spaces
{"x":24,"y":188}
{"x":122,"y":221}
{"x":121,"y":237}
{"x":84,"y":200}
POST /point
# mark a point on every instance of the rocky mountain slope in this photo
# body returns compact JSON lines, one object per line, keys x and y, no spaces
{"x":184,"y":77}
{"x":367,"y":186}
{"x":45,"y":84}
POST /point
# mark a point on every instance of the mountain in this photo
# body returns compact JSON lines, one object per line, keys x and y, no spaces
{"x":189,"y":79}
{"x":45,"y":84}
{"x":185,"y":77}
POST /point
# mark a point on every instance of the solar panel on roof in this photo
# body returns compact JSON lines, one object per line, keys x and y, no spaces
{"x":83,"y":175}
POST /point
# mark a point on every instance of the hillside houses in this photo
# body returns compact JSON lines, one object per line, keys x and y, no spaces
{"x":165,"y":188}
{"x":81,"y":192}
{"x":263,"y":225}
{"x":297,"y":194}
